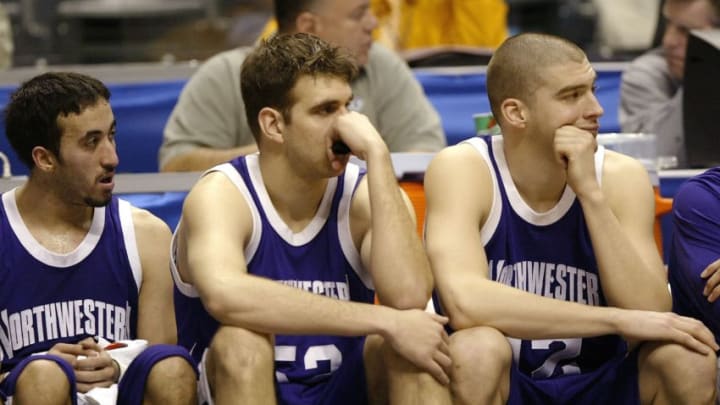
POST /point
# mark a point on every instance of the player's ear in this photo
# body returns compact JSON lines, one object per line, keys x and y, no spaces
{"x":44,"y":159}
{"x":307,"y":22}
{"x":514,"y":112}
{"x":272,"y":124}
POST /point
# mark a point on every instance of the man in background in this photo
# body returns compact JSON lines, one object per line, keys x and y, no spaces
{"x":208,"y":125}
{"x":651,"y":94}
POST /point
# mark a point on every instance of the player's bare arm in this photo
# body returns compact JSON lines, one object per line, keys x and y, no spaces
{"x":622,"y":235}
{"x":212,"y":239}
{"x":455,"y":215}
{"x":389,"y":246}
{"x":156,"y":320}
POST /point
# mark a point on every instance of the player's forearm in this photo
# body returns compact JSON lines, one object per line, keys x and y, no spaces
{"x":519,"y":314}
{"x":621,"y":266}
{"x":201,"y":159}
{"x":267,"y":306}
{"x":400,"y":268}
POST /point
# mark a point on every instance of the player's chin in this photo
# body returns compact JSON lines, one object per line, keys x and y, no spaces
{"x":99,"y":200}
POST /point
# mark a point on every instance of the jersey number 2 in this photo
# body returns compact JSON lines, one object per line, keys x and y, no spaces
{"x":570,"y":351}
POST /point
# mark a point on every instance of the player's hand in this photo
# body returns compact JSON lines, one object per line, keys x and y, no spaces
{"x":70,"y":351}
{"x":575,"y":150}
{"x":97,"y":369}
{"x":358,"y":133}
{"x":420,"y":338}
{"x":711,"y":274}
{"x":667,"y":326}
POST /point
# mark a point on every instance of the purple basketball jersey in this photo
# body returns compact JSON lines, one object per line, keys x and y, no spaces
{"x":548,"y":254}
{"x":48,"y":298}
{"x":320,"y":259}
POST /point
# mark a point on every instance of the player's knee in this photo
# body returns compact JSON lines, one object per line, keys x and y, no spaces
{"x":480,"y":347}
{"x":184,"y":382}
{"x":238,"y":351}
{"x":45,"y":375}
{"x":682,"y":372}
{"x":176,"y":369}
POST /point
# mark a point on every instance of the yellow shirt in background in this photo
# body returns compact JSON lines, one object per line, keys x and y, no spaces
{"x":411,"y":24}
{"x":431,"y":23}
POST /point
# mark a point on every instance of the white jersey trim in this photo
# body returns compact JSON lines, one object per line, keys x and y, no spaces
{"x":352,"y":172}
{"x":287,"y":234}
{"x":493,"y":219}
{"x":128,"y":232}
{"x":185,"y":289}
{"x":232,"y":174}
{"x":520,"y":206}
{"x":40,"y":252}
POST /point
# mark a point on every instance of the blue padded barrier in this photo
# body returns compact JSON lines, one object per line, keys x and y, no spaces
{"x":142,"y":108}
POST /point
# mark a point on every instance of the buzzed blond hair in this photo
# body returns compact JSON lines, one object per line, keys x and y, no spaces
{"x":515,"y":70}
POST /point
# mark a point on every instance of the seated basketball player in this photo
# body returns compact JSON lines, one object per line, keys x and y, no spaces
{"x":280,"y":253}
{"x":542,"y":249}
{"x":694,"y":263}
{"x":78,"y":267}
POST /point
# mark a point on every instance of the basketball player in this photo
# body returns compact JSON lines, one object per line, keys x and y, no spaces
{"x":280,"y":253}
{"x":78,"y":265}
{"x":543,"y":237}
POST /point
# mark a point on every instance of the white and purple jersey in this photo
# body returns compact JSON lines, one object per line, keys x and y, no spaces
{"x":321,"y":259}
{"x":48,"y":298}
{"x":545,"y":253}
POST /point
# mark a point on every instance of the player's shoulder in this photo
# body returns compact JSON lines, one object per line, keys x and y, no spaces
{"x":146,"y":221}
{"x":617,"y":165}
{"x":456,"y":159}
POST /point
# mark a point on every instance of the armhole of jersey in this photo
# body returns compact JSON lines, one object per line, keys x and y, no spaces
{"x":228,"y":170}
{"x":128,"y":232}
{"x":599,"y":160}
{"x":185,"y":289}
{"x":352,"y":174}
{"x":491,"y":223}
{"x":236,"y":179}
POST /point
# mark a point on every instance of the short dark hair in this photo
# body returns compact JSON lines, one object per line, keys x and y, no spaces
{"x":515,"y":69}
{"x":716,"y":8}
{"x":271,"y":70}
{"x":287,"y":11}
{"x":31,"y":116}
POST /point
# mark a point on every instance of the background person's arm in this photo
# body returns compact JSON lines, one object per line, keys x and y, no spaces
{"x":208,"y":120}
{"x":403,"y":115}
{"x":651,"y":102}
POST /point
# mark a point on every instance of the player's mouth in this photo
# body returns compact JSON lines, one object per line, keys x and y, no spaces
{"x":107,"y":181}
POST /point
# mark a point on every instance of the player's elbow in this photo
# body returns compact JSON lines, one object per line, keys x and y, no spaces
{"x":409,"y":296}
{"x":458,"y":312}
{"x":216,"y":303}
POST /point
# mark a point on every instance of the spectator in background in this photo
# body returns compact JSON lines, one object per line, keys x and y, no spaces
{"x":208,"y":125}
{"x":412,"y":24}
{"x":651,"y":89}
{"x":6,"y":40}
